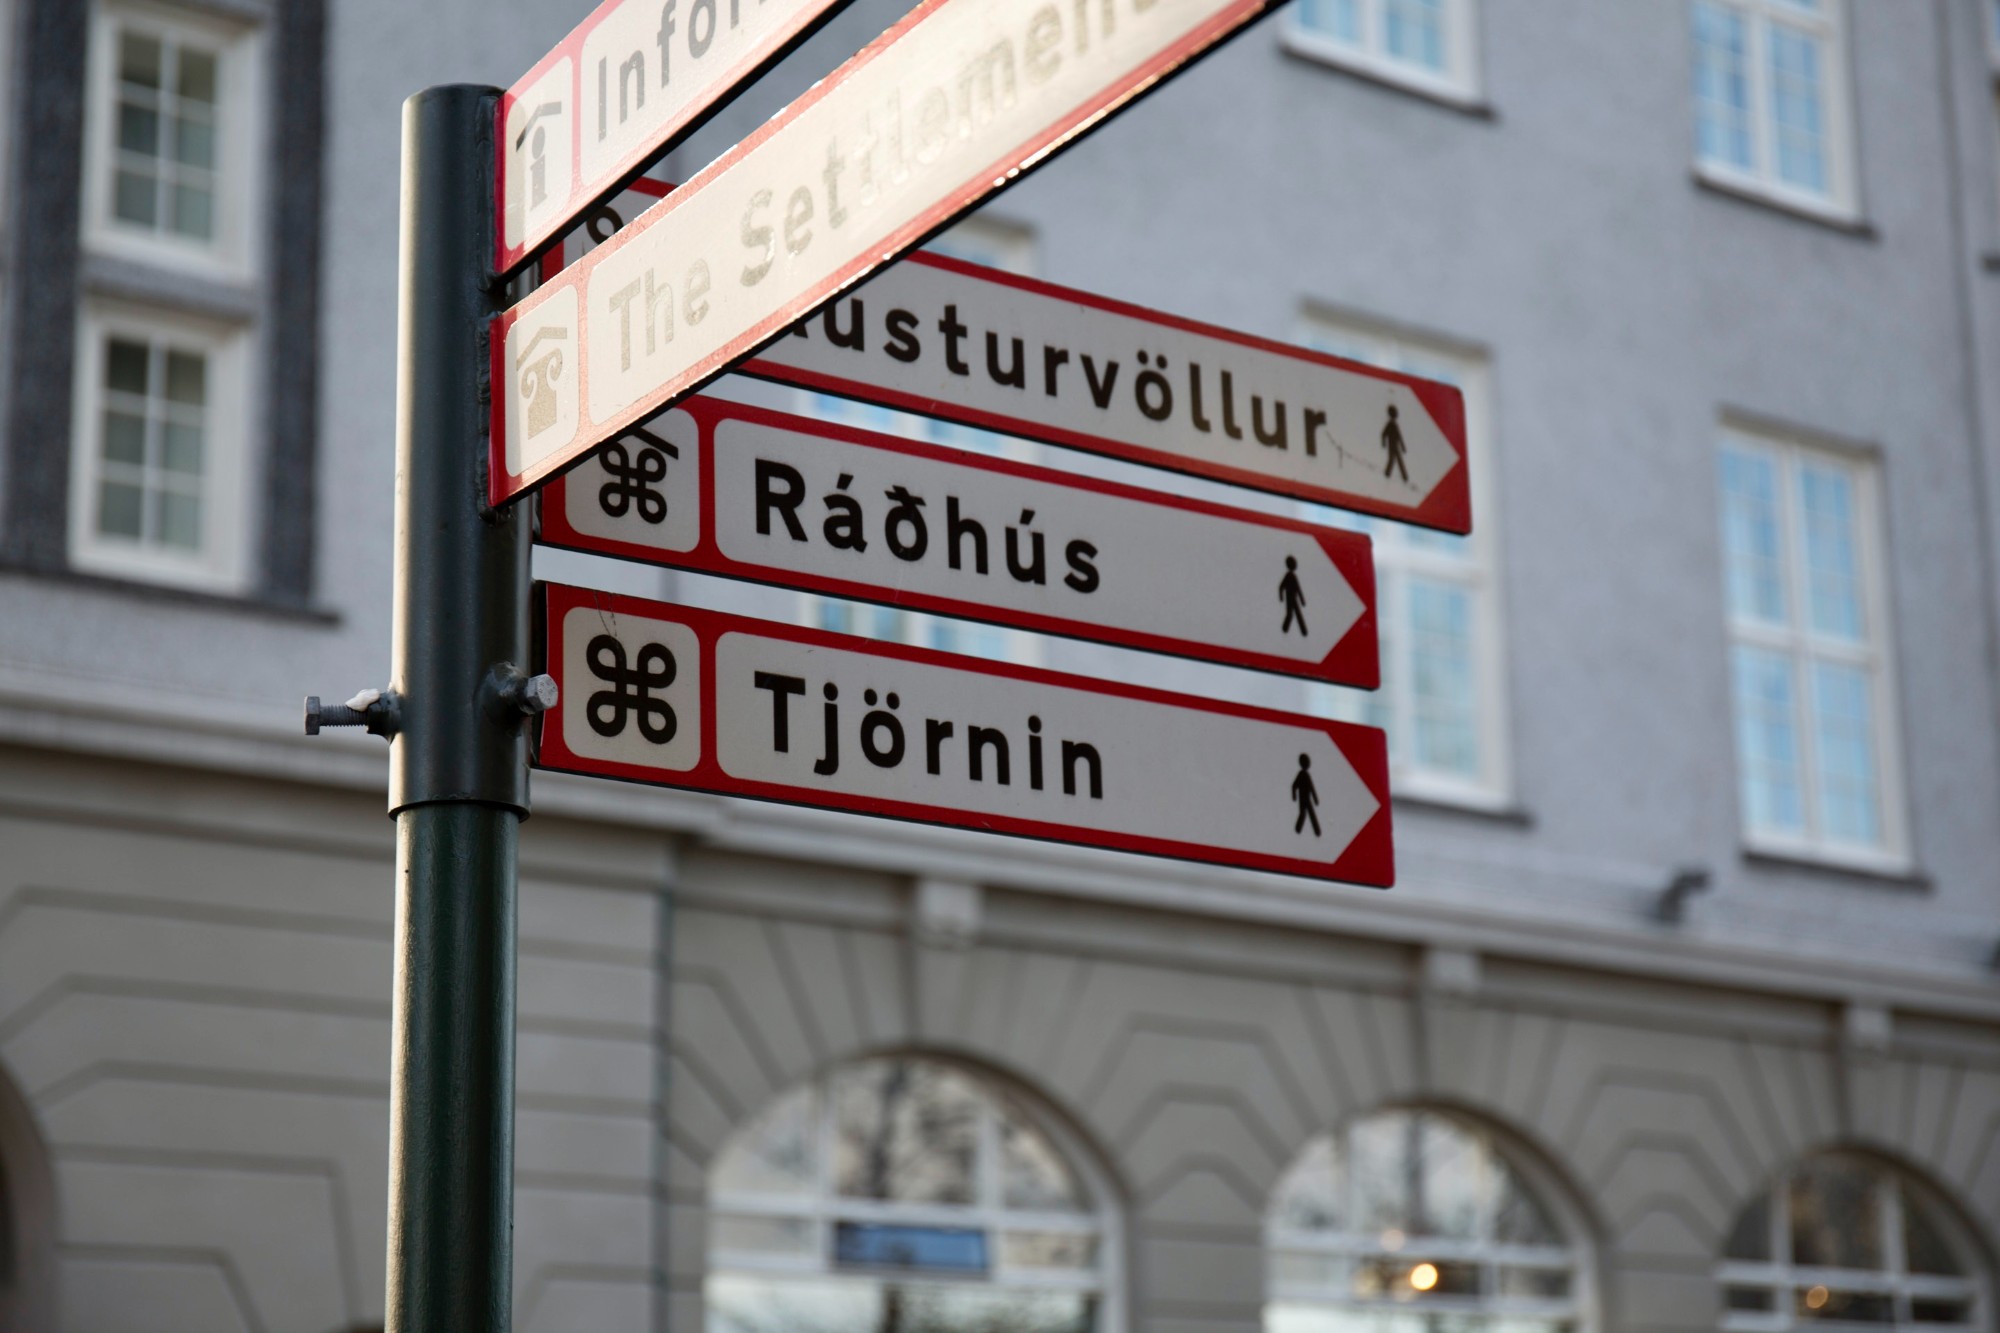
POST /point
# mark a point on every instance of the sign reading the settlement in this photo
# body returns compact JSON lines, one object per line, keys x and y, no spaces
{"x":987,"y":348}
{"x":631,"y":80}
{"x":700,"y":700}
{"x":747,"y":493}
{"x":949,"y":105}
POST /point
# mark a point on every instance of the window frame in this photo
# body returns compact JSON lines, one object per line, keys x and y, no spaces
{"x":1582,"y":1309}
{"x":236,"y":251}
{"x":1460,"y":83}
{"x":825,"y":1206}
{"x":1802,"y":646}
{"x":1842,"y":201}
{"x":1478,"y":571}
{"x":222,"y":566}
{"x":1780,"y":1275}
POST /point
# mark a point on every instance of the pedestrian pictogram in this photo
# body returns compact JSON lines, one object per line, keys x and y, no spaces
{"x":1293,"y":595}
{"x":1307,"y":796}
{"x":1393,"y":446}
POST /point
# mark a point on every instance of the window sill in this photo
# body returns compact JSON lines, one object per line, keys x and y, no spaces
{"x":1304,"y":46}
{"x":1829,"y":218}
{"x":192,"y":598}
{"x":120,"y":278}
{"x":1882,"y":873}
{"x":1485,"y":809}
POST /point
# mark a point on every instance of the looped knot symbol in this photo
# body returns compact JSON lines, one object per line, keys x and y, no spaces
{"x":634,"y":476}
{"x":631,"y":690}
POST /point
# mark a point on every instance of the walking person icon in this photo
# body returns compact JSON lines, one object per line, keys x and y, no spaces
{"x":1392,"y":444}
{"x":1306,"y":795}
{"x":1293,"y":596}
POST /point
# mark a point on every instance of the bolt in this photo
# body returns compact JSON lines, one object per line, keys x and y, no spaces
{"x":331,"y":715}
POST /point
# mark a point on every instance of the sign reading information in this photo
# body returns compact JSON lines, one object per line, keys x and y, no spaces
{"x":949,"y":105}
{"x":679,"y":697}
{"x":747,"y":493}
{"x":632,"y":80}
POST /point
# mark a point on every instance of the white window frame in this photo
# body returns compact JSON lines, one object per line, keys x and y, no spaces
{"x":1801,"y":645}
{"x":222,"y":565}
{"x":822,"y":1209}
{"x":998,"y":244}
{"x":1459,"y":82}
{"x":1477,"y":571}
{"x":235,"y":251}
{"x":1782,"y":1278}
{"x":1581,"y":1310}
{"x":1841,"y":202}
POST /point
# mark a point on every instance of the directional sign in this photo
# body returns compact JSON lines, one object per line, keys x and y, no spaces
{"x":632,"y":80}
{"x":993,"y":349}
{"x":747,"y":493}
{"x":952,"y":103}
{"x":696,"y":699}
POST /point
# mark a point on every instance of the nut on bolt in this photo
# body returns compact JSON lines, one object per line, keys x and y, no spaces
{"x":374,"y":709}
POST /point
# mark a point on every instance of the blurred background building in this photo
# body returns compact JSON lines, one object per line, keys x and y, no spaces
{"x":1684,"y":1014}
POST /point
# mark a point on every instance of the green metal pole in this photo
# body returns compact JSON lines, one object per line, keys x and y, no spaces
{"x":458,"y":767}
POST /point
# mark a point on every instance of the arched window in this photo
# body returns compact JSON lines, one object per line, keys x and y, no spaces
{"x":1844,"y":1239}
{"x":904,"y":1194}
{"x":1413,"y":1221}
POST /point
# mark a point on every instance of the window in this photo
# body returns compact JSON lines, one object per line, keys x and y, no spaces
{"x":1809,"y":651}
{"x":1427,"y":44}
{"x":1415,"y":1222}
{"x":1844,"y":1240}
{"x":169,"y":159}
{"x":1442,"y":694}
{"x":157,"y":481}
{"x":978,"y":241}
{"x":904,"y":1193}
{"x":1770,"y":96}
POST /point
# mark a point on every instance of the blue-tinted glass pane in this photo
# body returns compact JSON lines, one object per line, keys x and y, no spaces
{"x":1767,"y":742}
{"x":940,"y":1249}
{"x":1833,"y":564}
{"x":118,"y":509}
{"x":963,"y":636}
{"x":1338,"y":19}
{"x":1722,"y":85}
{"x":1443,"y":686}
{"x":1797,"y":108}
{"x":875,"y":622}
{"x":1751,"y":536}
{"x":1844,"y":737}
{"x":1414,"y":31}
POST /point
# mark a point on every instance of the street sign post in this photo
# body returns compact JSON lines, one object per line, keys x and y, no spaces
{"x":722,"y":488}
{"x":992,"y":349}
{"x":951,"y":104}
{"x":700,"y":700}
{"x":628,"y":83}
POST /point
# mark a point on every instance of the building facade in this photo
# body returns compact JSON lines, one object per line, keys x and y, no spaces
{"x":1683,"y":1013}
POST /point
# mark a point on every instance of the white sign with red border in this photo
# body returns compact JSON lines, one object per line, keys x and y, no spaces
{"x":951,"y":104}
{"x":628,"y":83}
{"x":743,"y":492}
{"x":679,"y":697}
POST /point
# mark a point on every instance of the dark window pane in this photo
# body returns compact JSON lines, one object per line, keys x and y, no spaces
{"x":1923,"y":1242}
{"x":1403,"y":1278}
{"x":980,"y":1309}
{"x":124,"y":438}
{"x":1836,"y":1214}
{"x":194,"y":208}
{"x":1751,"y":1298}
{"x":1310,"y":1196}
{"x":1847,"y":1307}
{"x":118,"y":509}
{"x":181,"y":448}
{"x":139,"y":60}
{"x":1935,"y":1310}
{"x":1032,"y":1173}
{"x":125,"y":366}
{"x":180,"y":521}
{"x":136,"y":198}
{"x":197,"y":76}
{"x":934,"y":1249}
{"x":194,"y":142}
{"x":138,"y":129}
{"x":1751,"y":1238}
{"x":1547,"y":1284}
{"x":187,"y":378}
{"x":1519,"y":1218}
